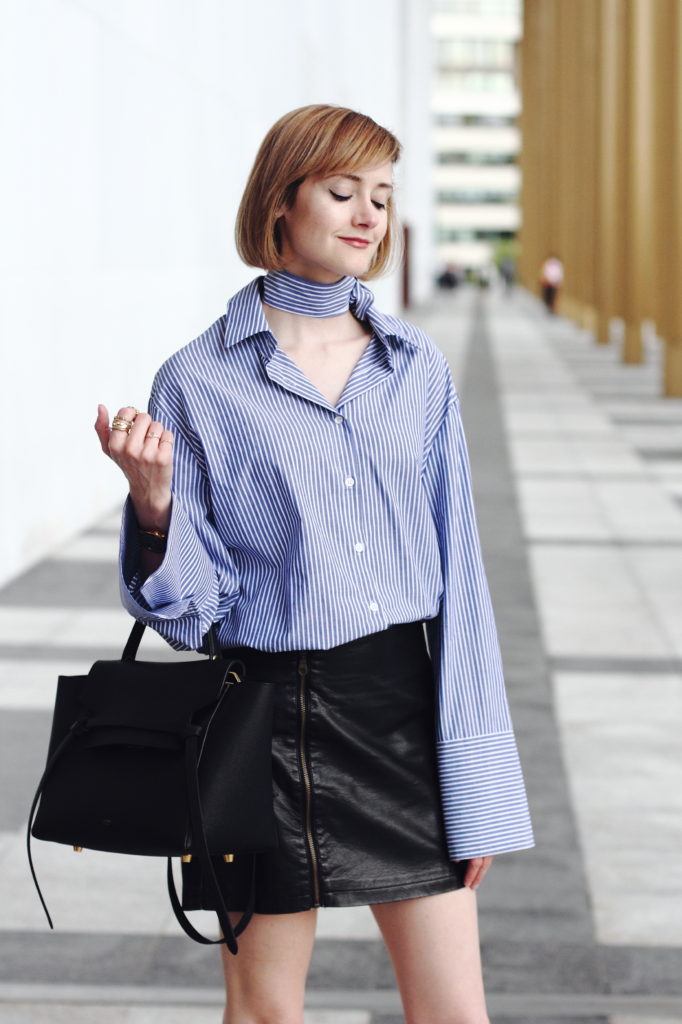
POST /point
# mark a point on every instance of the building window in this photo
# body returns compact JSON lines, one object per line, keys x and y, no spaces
{"x":476,"y":159}
{"x":467,"y":196}
{"x":477,"y":81}
{"x":467,"y":54}
{"x":480,"y":8}
{"x":473,"y":235}
{"x":447,"y":120}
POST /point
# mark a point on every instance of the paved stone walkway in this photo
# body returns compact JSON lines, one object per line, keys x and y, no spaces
{"x":578,"y":471}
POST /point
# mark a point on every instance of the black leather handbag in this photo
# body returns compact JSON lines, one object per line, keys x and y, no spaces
{"x":165,"y":759}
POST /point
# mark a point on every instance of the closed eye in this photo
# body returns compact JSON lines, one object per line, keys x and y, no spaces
{"x":344,"y":199}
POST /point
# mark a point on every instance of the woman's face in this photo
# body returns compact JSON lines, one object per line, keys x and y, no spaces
{"x":336,"y":224}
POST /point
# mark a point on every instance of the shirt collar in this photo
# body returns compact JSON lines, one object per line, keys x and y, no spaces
{"x":245,"y":317}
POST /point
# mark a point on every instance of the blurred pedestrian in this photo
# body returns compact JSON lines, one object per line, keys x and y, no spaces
{"x":551,"y":279}
{"x":507,"y":270}
{"x":450,"y":277}
{"x":301,"y":479}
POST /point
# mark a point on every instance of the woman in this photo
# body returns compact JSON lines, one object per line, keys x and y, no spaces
{"x":301,"y":479}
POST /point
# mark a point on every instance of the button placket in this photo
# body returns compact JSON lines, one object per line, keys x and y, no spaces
{"x":349,"y":484}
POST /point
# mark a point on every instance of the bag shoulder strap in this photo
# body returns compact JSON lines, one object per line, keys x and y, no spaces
{"x":199,"y":835}
{"x":59,"y":750}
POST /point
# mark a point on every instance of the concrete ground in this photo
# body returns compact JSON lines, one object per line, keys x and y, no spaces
{"x":578,"y":471}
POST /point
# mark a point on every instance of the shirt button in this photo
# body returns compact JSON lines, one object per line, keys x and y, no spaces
{"x":360,"y":547}
{"x":374,"y":607}
{"x":349,"y":481}
{"x":338,"y":419}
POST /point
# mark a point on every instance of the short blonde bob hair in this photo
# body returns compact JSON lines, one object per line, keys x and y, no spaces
{"x":318,"y":140}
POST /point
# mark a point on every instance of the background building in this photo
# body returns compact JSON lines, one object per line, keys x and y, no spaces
{"x":475,"y":134}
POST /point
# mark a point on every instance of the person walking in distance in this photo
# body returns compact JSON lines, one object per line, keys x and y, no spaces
{"x":301,"y":479}
{"x":551,"y":279}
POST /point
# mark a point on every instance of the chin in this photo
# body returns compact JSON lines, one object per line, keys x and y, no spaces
{"x":359,"y":266}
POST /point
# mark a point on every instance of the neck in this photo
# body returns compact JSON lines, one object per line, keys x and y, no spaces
{"x":293,"y":294}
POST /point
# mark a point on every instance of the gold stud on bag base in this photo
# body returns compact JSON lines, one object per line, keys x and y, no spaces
{"x":187,"y":859}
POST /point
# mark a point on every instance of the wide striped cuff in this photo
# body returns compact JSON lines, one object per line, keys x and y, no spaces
{"x":180,"y":597}
{"x":483,"y":796}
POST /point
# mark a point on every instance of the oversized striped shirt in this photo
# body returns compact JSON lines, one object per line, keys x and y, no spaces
{"x":299,"y":525}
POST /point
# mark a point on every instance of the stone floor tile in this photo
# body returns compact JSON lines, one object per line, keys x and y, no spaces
{"x":649,"y":1020}
{"x":622,"y":747}
{"x":67,"y":1013}
{"x":591,"y":603}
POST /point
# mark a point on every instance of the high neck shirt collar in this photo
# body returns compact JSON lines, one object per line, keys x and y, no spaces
{"x":284,"y":290}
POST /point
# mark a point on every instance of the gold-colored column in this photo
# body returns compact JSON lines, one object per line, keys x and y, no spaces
{"x":667,"y":26}
{"x":610,"y":196}
{"x":564,"y":146}
{"x":589,"y":115}
{"x":638,"y":250}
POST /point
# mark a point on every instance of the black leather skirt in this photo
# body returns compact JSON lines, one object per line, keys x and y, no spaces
{"x":355,"y":781}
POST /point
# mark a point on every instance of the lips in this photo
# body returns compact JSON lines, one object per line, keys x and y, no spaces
{"x":357,"y":243}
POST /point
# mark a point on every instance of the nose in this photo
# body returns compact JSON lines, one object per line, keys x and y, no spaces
{"x":366,"y":214}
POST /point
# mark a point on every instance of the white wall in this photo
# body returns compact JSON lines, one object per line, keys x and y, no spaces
{"x":128,"y":130}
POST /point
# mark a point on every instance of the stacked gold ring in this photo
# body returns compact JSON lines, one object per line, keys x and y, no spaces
{"x":119,"y":423}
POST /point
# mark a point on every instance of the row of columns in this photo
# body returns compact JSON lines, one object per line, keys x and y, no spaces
{"x":601,"y":160}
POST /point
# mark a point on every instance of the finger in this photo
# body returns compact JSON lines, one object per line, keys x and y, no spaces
{"x":155,"y":451}
{"x":166,"y":448}
{"x":102,"y":427}
{"x":118,"y":437}
{"x":131,"y":443}
{"x":482,"y":871}
{"x":471,"y":872}
{"x":153,"y":435}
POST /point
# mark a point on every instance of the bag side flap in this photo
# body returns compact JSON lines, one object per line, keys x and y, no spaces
{"x":160,"y":696}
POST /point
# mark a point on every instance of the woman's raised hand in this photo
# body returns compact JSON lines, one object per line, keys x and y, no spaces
{"x":144,"y":451}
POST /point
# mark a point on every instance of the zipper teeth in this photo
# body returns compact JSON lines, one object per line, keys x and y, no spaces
{"x":305,"y":771}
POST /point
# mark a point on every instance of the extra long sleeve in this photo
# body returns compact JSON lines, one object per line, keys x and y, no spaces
{"x":197,"y":582}
{"x":482,"y":788}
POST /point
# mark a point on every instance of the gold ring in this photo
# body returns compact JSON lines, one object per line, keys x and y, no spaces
{"x":165,"y":441}
{"x":120,"y":426}
{"x":119,"y":423}
{"x":152,"y":435}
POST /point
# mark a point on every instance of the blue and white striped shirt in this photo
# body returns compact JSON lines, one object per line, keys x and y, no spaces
{"x":299,"y":525}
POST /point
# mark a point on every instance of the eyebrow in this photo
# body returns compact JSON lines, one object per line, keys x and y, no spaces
{"x":356,"y":177}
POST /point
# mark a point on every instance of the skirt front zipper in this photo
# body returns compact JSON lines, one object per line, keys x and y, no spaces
{"x":306,"y":775}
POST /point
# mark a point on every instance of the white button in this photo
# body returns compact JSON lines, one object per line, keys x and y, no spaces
{"x":349,"y":481}
{"x":338,"y":419}
{"x":374,"y":607}
{"x":359,"y":546}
